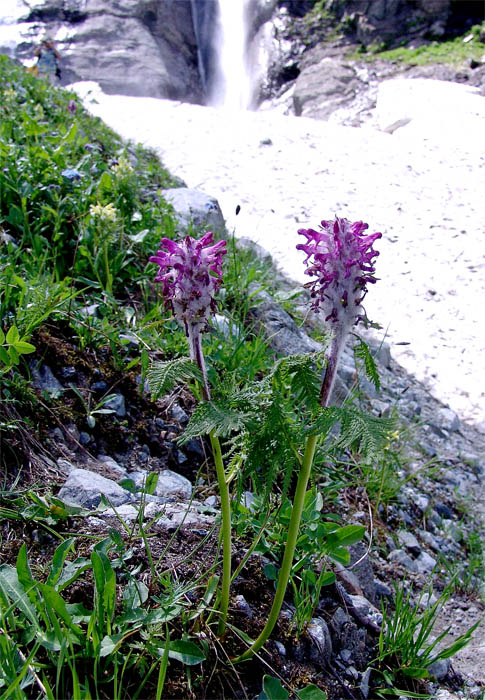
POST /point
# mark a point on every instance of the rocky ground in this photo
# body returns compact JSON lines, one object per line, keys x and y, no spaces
{"x":420,"y":533}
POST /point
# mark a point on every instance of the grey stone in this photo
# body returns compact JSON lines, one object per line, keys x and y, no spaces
{"x":85,"y":488}
{"x":399,"y":556}
{"x":195,"y":210}
{"x":44,"y":380}
{"x":440,"y":669}
{"x":257,"y":249}
{"x":241,"y":604}
{"x":116,"y":404}
{"x":409,"y":542}
{"x":366,"y":609}
{"x":449,"y":420}
{"x":178,"y":414}
{"x":180,"y":515}
{"x":364,"y":683}
{"x":283,"y":334}
{"x":320,"y":642}
{"x":173,"y":485}
{"x":280,"y":648}
{"x":226,"y":327}
{"x":127,"y":512}
{"x":113,"y":466}
{"x":425,"y":563}
{"x":363,"y":570}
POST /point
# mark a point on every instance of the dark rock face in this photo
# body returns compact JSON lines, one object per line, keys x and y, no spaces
{"x":130,"y":47}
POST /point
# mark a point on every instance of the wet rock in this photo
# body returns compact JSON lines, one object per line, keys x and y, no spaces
{"x":241,"y":605}
{"x":449,"y":420}
{"x":85,"y":488}
{"x":320,"y":642}
{"x":99,"y":386}
{"x":363,"y":570}
{"x":85,"y":438}
{"x":366,"y":609}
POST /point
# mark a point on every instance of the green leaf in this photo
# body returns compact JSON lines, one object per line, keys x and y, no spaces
{"x":13,"y":335}
{"x":58,"y":561}
{"x":2,"y":337}
{"x":272,"y":689}
{"x":350,"y":534}
{"x":151,"y":483}
{"x":211,"y":416}
{"x":4,"y":356}
{"x":186,"y":652}
{"x":12,"y":590}
{"x":52,"y":598}
{"x":339,"y":554}
{"x":24,"y":348}
{"x":311,"y":692}
{"x":110,"y":643}
{"x":415,"y":672}
{"x":327,"y":578}
{"x":163,"y":376}
{"x":13,"y":355}
{"x":362,"y":352}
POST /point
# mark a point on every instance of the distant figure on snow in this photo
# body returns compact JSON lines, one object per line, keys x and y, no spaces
{"x":47,"y":60}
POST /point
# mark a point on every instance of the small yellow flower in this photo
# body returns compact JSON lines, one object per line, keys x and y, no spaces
{"x":102,"y":212}
{"x":9,"y":93}
{"x":122,"y":167}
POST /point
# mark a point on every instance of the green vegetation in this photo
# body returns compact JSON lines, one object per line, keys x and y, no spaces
{"x":457,"y":51}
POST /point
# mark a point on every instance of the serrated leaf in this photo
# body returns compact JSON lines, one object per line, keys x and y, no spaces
{"x":362,"y":352}
{"x":163,"y":376}
{"x":214,"y":417}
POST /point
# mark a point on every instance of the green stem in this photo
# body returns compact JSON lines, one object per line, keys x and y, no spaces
{"x":299,"y":501}
{"x":197,"y":356}
{"x":285,"y":570}
{"x":226,"y":531}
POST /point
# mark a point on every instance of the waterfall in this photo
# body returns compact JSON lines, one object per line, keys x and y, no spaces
{"x":230,"y":86}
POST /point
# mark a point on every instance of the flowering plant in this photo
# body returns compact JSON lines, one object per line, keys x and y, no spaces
{"x":190,"y":274}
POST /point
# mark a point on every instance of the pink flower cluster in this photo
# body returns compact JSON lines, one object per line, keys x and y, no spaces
{"x":190,"y":272}
{"x":342,"y":265}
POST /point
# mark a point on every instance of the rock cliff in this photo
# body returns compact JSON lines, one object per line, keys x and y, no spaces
{"x":165,"y":48}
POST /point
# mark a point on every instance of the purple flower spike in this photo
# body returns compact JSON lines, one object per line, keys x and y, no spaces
{"x":190,"y":272}
{"x":343,"y":265}
{"x":71,"y":106}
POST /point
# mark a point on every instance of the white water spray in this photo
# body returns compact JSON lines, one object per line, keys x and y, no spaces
{"x":231,"y":87}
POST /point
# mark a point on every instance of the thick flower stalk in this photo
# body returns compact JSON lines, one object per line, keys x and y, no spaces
{"x":341,"y":259}
{"x":191,"y":273}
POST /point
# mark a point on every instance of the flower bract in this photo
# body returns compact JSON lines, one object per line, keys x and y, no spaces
{"x":190,"y":274}
{"x":340,"y":258}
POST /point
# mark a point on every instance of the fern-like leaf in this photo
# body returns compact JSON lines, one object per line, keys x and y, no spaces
{"x":326,"y":419}
{"x":163,"y":376}
{"x":363,"y":432}
{"x":363,"y":352}
{"x":211,"y":416}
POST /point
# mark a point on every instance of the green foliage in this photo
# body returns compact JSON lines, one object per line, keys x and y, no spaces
{"x":406,"y":646}
{"x":452,"y":51}
{"x":163,"y":376}
{"x":274,"y":690}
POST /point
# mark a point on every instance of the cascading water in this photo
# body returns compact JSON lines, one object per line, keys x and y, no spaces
{"x":230,"y":86}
